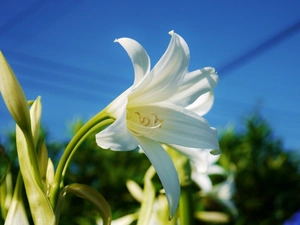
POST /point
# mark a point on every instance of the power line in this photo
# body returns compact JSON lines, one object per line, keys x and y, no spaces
{"x":259,"y":49}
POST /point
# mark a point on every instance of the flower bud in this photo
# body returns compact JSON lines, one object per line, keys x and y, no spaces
{"x":13,"y":95}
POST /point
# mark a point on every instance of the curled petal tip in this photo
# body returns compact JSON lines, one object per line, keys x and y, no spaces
{"x":171,"y":32}
{"x":116,"y":40}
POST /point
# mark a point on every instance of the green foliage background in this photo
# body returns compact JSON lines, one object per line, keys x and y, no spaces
{"x":267,"y":176}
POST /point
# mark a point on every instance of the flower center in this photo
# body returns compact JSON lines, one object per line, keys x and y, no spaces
{"x":143,"y":124}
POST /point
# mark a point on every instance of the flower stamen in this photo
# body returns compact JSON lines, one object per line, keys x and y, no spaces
{"x":143,"y":125}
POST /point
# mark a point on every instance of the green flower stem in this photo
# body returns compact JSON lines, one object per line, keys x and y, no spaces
{"x":32,"y":157}
{"x":100,"y":121}
{"x":98,"y":127}
{"x":185,"y":206}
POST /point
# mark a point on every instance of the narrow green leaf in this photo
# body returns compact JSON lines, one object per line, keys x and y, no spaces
{"x":87,"y":193}
{"x":4,"y":164}
{"x":40,"y":207}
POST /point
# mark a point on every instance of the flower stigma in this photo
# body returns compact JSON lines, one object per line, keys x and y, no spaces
{"x":142,"y":124}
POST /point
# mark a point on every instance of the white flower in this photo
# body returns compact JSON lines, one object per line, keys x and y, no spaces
{"x":221,"y":192}
{"x":201,"y":178}
{"x":155,"y":110}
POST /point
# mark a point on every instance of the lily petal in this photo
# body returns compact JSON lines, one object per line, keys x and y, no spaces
{"x":138,"y":56}
{"x":202,"y":180}
{"x":117,"y":106}
{"x":117,"y":137}
{"x":195,"y":84}
{"x":179,"y":126}
{"x":203,"y":104}
{"x":165,"y":169}
{"x":216,"y":169}
{"x":166,"y":76}
{"x":199,"y":157}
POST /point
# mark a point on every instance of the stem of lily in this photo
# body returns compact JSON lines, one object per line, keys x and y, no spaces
{"x":185,"y":206}
{"x":32,"y":156}
{"x":100,"y":121}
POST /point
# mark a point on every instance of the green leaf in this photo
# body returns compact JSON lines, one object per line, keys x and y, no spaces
{"x":4,"y":164}
{"x":40,"y":207}
{"x":87,"y":193}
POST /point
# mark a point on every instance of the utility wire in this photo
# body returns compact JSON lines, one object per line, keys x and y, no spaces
{"x":242,"y":59}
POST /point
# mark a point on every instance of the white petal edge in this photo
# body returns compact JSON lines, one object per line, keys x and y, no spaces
{"x":198,"y":157}
{"x":203,"y":104}
{"x":166,"y":76}
{"x":118,"y":105}
{"x":216,"y":169}
{"x":165,"y":169}
{"x":139,"y":58}
{"x":195,"y":84}
{"x":202,"y":180}
{"x":117,"y":137}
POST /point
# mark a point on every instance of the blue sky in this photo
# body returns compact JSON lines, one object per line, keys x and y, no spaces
{"x":64,"y":51}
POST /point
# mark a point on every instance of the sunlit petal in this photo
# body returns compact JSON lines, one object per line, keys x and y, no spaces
{"x":139,"y":57}
{"x":216,"y":169}
{"x":202,"y":180}
{"x":117,"y":136}
{"x":194,"y":85}
{"x":116,"y":108}
{"x":165,"y":169}
{"x":166,"y":76}
{"x":199,"y":157}
{"x":203,"y":104}
{"x":172,"y":124}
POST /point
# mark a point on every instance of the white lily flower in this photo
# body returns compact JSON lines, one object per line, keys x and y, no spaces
{"x":222,"y":192}
{"x":201,"y":178}
{"x":155,"y":110}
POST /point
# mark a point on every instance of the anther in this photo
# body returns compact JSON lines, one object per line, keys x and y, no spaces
{"x":155,"y":117}
{"x":145,"y":121}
